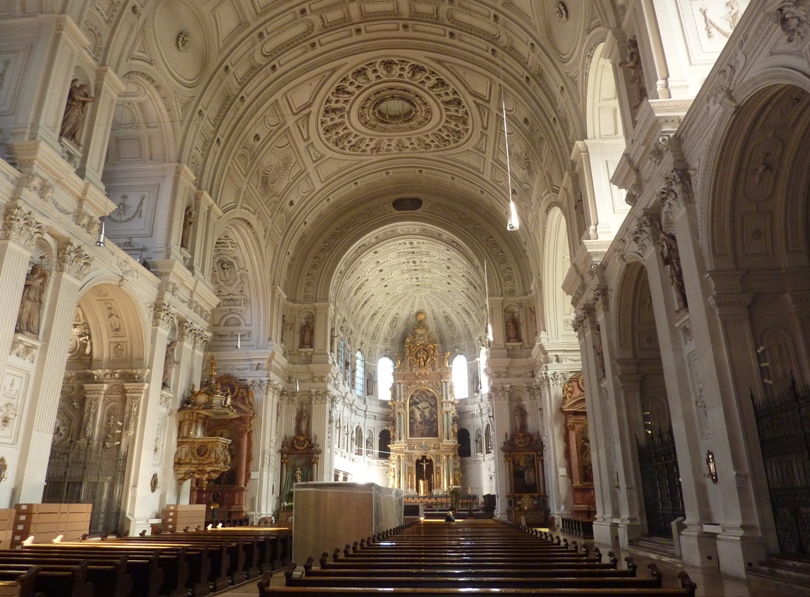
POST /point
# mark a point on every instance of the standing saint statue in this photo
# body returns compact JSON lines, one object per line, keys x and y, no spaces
{"x":188,"y":220}
{"x":169,"y":363}
{"x":302,"y":421}
{"x":671,"y":256}
{"x":32,"y":297}
{"x":633,"y":64}
{"x":73,"y":121}
{"x":512,"y":330}
{"x":520,"y":418}
{"x":306,"y":335}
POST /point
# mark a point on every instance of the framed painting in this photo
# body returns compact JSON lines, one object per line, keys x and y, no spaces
{"x":524,"y":473}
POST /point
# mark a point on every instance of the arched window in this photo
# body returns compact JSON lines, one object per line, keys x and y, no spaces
{"x":482,"y":370}
{"x":464,"y":443}
{"x":461,"y":385}
{"x":488,"y":439}
{"x":385,"y":378}
{"x":382,"y":445}
{"x":359,"y":374}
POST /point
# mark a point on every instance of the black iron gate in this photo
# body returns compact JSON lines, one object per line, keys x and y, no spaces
{"x":84,"y":473}
{"x":783,"y":423}
{"x":660,"y":483}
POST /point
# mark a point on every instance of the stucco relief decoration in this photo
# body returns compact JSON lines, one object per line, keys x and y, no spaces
{"x":792,"y":16}
{"x":125,"y":212}
{"x":561,"y":12}
{"x":73,"y":260}
{"x":183,"y":41}
{"x":731,"y":17}
{"x":275,"y":171}
{"x":390,"y":106}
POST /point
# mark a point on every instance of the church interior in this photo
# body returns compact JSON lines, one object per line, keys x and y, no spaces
{"x":543,"y":261}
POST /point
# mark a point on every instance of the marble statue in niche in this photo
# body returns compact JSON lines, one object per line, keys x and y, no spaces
{"x":520,"y":418}
{"x":671,"y":256}
{"x":633,"y":64}
{"x":169,"y":363}
{"x":512,"y":333}
{"x":32,"y":298}
{"x":306,"y":334}
{"x":73,"y":120}
{"x":302,"y":421}
{"x":188,"y":219}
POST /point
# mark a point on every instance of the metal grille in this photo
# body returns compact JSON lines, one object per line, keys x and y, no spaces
{"x":784,"y":436}
{"x":83,"y":473}
{"x":660,"y":482}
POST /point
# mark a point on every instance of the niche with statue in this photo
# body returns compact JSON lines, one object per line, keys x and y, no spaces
{"x":300,"y":456}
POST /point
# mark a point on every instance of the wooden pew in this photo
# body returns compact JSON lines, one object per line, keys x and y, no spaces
{"x":170,"y":559}
{"x":19,"y":585}
{"x":687,"y":589}
{"x":109,"y":577}
{"x":66,"y":581}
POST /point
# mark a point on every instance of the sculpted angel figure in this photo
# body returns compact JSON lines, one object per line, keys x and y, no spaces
{"x":73,"y":121}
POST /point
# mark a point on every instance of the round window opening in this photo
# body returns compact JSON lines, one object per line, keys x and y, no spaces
{"x":407,"y":204}
{"x":394,"y":110}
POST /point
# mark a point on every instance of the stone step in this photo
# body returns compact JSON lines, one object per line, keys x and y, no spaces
{"x":655,"y":545}
{"x":792,"y":571}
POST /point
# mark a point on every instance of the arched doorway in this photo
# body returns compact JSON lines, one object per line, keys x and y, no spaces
{"x":98,"y":412}
{"x":758,"y":224}
{"x":649,"y":410}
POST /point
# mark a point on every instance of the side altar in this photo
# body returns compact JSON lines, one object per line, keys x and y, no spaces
{"x":424,"y":456}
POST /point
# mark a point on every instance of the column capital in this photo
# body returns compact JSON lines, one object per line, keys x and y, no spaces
{"x":163,"y":315}
{"x":73,"y":260}
{"x":22,"y":227}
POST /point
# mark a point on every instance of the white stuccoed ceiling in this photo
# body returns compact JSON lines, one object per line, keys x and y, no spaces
{"x":292,"y":111}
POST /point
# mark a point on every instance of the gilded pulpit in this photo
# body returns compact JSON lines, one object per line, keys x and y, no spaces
{"x":424,"y":449}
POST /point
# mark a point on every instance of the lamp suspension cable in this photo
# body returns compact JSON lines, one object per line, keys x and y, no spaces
{"x":513,"y":223}
{"x":488,"y":330}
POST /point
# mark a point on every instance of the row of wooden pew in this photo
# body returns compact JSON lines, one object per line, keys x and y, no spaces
{"x":188,"y":564}
{"x":470,"y":556}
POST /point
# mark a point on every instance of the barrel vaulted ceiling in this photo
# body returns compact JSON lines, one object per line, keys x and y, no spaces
{"x":291,"y":111}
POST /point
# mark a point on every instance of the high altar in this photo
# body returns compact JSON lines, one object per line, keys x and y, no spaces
{"x":424,"y":448}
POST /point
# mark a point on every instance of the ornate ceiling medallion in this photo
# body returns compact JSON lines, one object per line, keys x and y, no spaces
{"x":388,"y":106}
